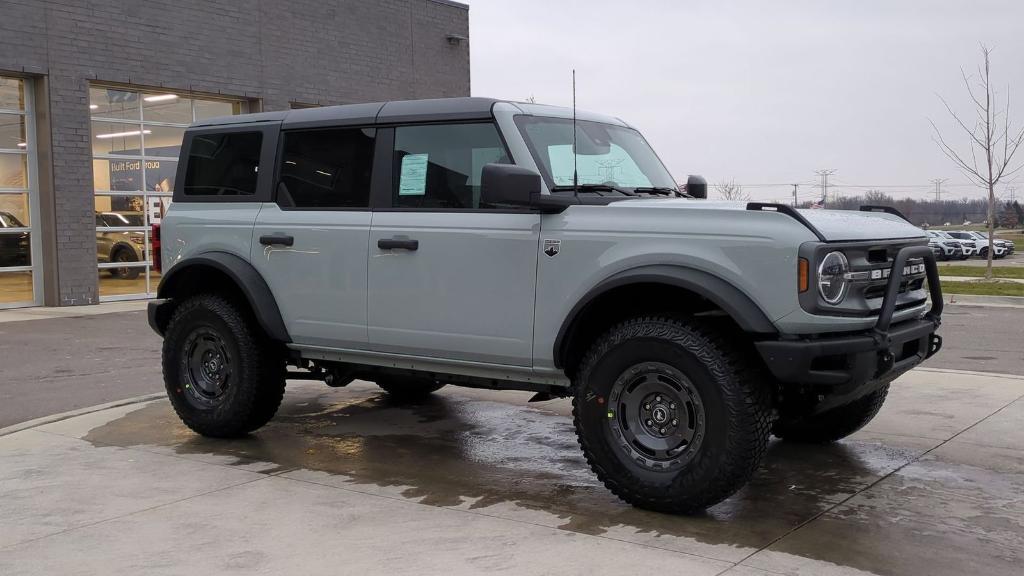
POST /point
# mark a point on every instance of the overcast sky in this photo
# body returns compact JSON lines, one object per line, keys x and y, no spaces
{"x":761,"y":92}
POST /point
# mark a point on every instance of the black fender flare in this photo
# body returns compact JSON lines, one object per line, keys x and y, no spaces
{"x":248,"y":280}
{"x":747,"y":314}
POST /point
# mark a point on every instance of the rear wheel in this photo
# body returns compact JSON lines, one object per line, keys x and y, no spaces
{"x":408,"y":388}
{"x":221,"y":376}
{"x":834,"y":424}
{"x":670,"y":415}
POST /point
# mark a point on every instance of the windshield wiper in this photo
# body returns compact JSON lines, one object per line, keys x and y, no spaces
{"x":664,"y":190}
{"x":592,"y":188}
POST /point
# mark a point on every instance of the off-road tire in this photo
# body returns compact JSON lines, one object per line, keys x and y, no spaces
{"x":735,"y":398}
{"x":834,"y":424}
{"x":255,"y":382}
{"x":408,"y":389}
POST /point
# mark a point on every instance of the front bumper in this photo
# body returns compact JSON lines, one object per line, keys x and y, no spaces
{"x":851,"y":359}
{"x":846,"y":366}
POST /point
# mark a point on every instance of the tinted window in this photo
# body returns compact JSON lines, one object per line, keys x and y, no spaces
{"x":223,"y":164}
{"x":326,"y":168}
{"x":439,"y":166}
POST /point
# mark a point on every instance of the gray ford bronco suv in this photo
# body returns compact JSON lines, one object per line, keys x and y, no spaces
{"x":485,"y":243}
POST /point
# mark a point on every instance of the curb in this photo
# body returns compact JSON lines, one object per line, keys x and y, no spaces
{"x":970,"y":373}
{"x":79,"y":412}
{"x":53,"y":312}
{"x":993,"y":301}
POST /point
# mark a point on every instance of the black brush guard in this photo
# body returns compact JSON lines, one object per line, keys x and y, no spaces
{"x":848,"y":366}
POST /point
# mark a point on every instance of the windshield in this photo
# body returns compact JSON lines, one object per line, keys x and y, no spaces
{"x":606,"y":154}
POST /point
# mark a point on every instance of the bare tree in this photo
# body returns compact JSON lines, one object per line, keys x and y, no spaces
{"x":730,"y":190}
{"x":991,"y":140}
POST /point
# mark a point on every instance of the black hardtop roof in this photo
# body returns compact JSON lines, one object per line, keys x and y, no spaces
{"x":398,"y":111}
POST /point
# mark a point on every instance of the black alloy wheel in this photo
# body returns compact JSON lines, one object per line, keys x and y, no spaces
{"x":209,"y":367}
{"x":656,"y":415}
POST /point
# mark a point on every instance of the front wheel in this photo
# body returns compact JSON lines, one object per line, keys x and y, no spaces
{"x":222,"y":377}
{"x":126,"y":272}
{"x":834,"y":424}
{"x":671,"y":415}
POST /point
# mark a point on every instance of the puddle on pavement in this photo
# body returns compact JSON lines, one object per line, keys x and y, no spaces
{"x":463,"y":451}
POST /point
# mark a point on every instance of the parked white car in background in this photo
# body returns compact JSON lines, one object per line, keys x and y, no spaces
{"x":947,"y":248}
{"x":980,"y":243}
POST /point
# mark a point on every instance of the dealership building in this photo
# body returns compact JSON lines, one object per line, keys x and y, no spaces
{"x":95,"y":96}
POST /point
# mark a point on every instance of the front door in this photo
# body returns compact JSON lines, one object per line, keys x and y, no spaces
{"x":310,"y":244}
{"x":449,"y":278}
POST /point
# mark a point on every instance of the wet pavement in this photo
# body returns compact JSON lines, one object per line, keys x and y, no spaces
{"x":343,"y":481}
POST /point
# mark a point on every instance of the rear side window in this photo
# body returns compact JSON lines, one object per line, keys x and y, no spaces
{"x":326,"y":168}
{"x":438,"y":166}
{"x":223,"y":164}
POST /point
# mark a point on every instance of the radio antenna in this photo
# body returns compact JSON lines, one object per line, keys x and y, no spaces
{"x":575,"y":175}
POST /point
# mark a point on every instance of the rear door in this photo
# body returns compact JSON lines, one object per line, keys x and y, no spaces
{"x":310,"y":243}
{"x":449,"y":277}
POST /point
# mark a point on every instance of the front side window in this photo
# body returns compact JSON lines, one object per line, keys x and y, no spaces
{"x":326,"y":168}
{"x":223,"y":164}
{"x":606,"y":154}
{"x":439,"y":166}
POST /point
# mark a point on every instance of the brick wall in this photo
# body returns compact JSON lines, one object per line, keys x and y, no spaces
{"x":278,"y":51}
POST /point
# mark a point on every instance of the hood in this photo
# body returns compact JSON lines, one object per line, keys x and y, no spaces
{"x":834,"y":225}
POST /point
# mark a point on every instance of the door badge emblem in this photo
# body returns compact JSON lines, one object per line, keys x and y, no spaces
{"x":551,"y":247}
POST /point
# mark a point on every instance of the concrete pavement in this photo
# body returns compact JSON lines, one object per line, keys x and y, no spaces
{"x":343,"y":482}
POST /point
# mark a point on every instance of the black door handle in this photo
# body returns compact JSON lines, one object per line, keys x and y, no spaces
{"x":282,"y":239}
{"x":402,"y":243}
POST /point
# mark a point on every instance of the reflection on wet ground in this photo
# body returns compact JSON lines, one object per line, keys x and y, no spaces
{"x":460,"y":449}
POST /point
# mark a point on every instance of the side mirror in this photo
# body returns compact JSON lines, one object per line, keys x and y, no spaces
{"x":508,"y":184}
{"x":697,"y":186}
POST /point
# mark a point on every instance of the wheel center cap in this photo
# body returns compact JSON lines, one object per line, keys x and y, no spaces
{"x":659,"y":414}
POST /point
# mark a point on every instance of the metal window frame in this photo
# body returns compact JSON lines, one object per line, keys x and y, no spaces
{"x":141,"y":123}
{"x":32,"y":191}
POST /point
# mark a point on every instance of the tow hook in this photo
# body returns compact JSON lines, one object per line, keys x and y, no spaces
{"x":934,"y":344}
{"x":886,"y":361}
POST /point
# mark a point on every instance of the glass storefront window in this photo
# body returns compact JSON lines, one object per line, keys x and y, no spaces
{"x":166,"y":108}
{"x":17,"y":197}
{"x":160,"y":175}
{"x":12,"y":132}
{"x":117,"y":175}
{"x":13,"y":171}
{"x":136,"y":139}
{"x":117,"y":138}
{"x":114,"y":103}
{"x":14,"y":211}
{"x":15,"y":287}
{"x":12,"y":94}
{"x":164,"y":141}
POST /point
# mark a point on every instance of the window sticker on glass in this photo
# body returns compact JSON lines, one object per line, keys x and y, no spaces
{"x":413,"y":180}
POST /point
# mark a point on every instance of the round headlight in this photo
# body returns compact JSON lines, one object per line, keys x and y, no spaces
{"x":832,"y":282}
